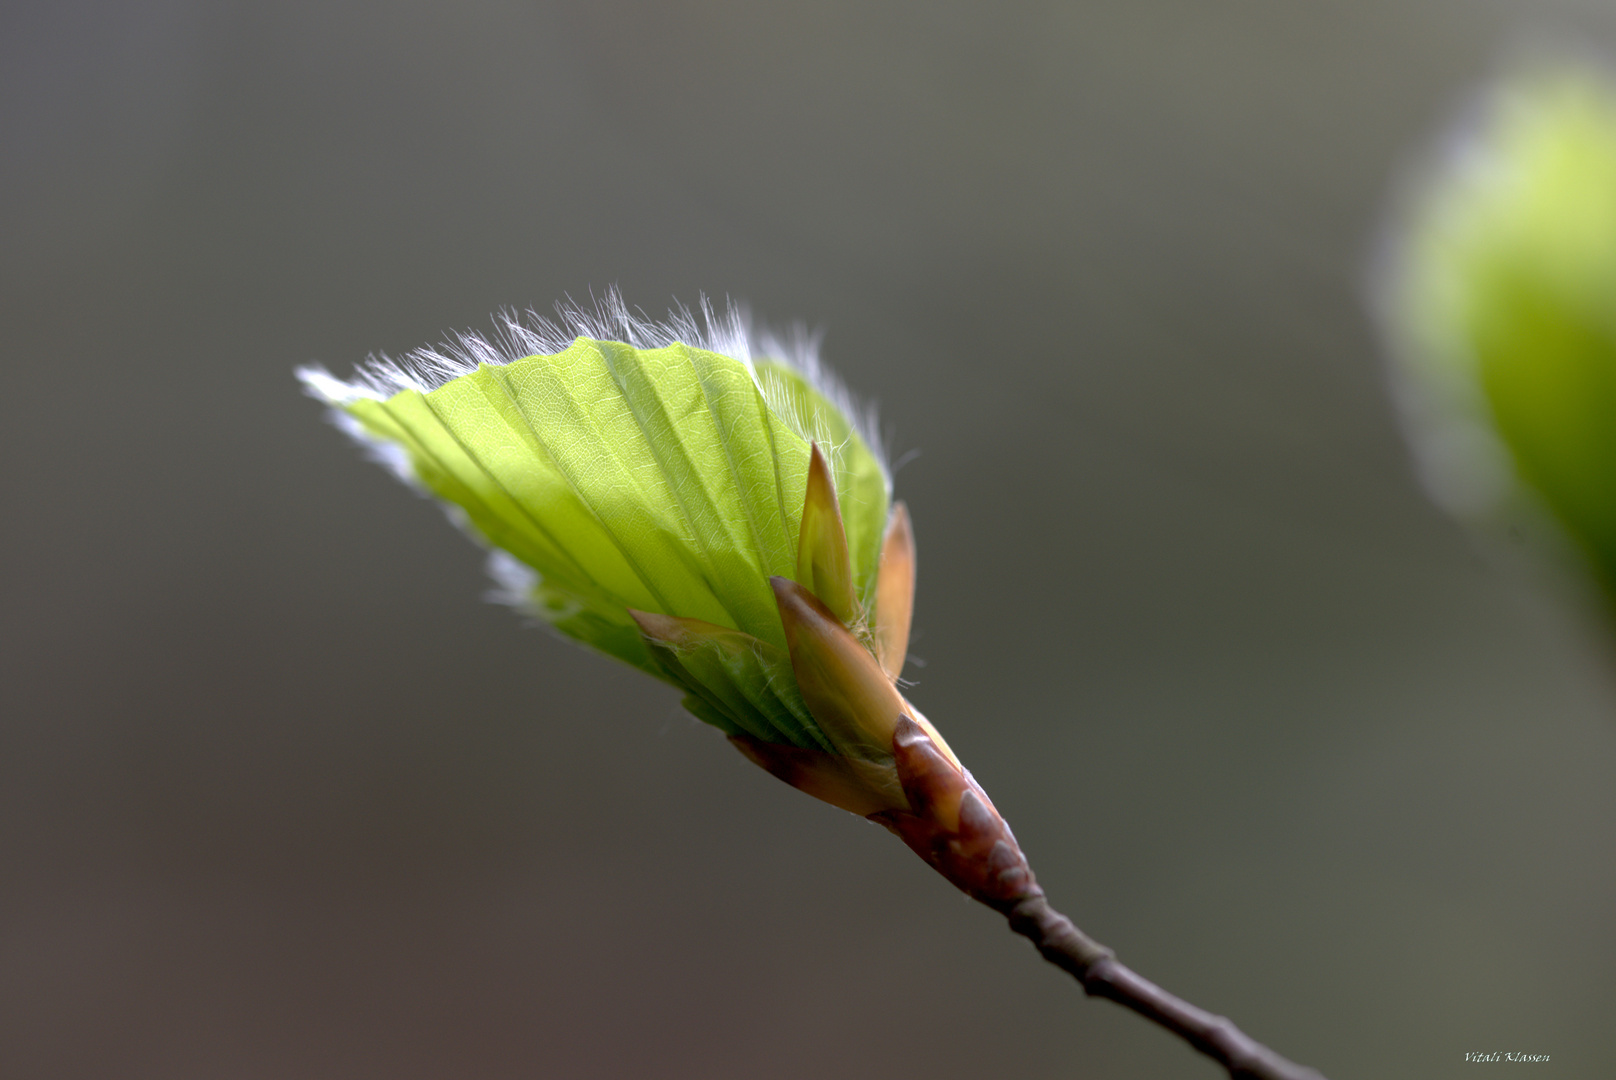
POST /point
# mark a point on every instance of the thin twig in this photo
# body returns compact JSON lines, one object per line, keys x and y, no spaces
{"x":1102,"y":975}
{"x":953,"y":825}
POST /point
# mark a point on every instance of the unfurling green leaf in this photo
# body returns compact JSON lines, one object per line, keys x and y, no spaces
{"x":735,"y":675}
{"x":650,"y":487}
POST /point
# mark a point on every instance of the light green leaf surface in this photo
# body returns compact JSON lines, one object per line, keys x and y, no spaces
{"x":658,"y":479}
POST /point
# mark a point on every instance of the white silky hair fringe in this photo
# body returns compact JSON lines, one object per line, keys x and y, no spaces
{"x":605,"y":318}
{"x":514,"y":583}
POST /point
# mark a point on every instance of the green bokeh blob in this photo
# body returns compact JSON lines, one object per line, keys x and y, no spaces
{"x":1509,"y":280}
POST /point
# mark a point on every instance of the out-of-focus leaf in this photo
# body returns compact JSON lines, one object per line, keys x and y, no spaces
{"x":1505,"y":306}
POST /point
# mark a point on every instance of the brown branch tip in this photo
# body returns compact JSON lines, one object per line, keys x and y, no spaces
{"x":953,"y":825}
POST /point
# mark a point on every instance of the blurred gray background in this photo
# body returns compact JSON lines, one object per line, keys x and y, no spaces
{"x":282,"y":796}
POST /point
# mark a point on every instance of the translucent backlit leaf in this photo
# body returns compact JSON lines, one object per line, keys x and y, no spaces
{"x":666,"y":480}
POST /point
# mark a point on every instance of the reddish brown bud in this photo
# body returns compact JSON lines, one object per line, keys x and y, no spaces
{"x":952,"y":824}
{"x":932,"y":783}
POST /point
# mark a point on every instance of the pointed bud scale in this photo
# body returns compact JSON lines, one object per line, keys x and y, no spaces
{"x":847,"y":692}
{"x":953,"y":825}
{"x":931,"y":782}
{"x":859,"y":787}
{"x":936,"y":736}
{"x":895,"y":592}
{"x":669,"y":630}
{"x":823,"y":565}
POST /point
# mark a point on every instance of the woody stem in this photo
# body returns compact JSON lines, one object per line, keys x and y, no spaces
{"x":1097,"y":968}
